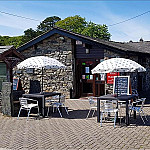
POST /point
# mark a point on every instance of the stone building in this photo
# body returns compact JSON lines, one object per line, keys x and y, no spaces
{"x":81,"y":54}
{"x":9,"y":57}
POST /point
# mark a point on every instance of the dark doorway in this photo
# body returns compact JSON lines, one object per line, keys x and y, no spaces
{"x":86,"y":81}
{"x":35,"y":86}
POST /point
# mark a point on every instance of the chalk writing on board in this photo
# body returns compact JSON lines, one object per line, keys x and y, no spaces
{"x":15,"y":83}
{"x":121,"y":85}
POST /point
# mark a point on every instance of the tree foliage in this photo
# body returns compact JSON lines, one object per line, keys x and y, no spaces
{"x":48,"y":23}
{"x":6,"y":40}
{"x":96,"y":31}
{"x":78,"y":24}
{"x":29,"y":34}
{"x":75,"y":24}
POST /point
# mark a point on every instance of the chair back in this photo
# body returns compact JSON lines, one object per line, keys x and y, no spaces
{"x":107,"y":105}
{"x":35,"y":87}
{"x":62,"y":99}
{"x":23,"y":101}
{"x":55,"y":98}
{"x":143,"y":102}
{"x":134,"y":91}
{"x":92,"y":102}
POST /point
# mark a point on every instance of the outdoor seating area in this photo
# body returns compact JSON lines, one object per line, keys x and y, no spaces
{"x":68,"y":83}
{"x":73,"y":131}
{"x":71,"y":121}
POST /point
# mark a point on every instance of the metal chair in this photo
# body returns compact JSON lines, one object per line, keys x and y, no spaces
{"x":27,"y":106}
{"x":53,"y":99}
{"x":140,"y":100}
{"x":107,"y":107}
{"x":139,"y":109}
{"x":59,"y":104}
{"x":121,"y":105}
{"x":93,"y":106}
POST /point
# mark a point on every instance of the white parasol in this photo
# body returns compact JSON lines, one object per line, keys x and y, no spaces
{"x":118,"y":65}
{"x":41,"y":62}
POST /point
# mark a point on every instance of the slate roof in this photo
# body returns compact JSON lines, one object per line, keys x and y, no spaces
{"x":5,"y":48}
{"x":141,"y":47}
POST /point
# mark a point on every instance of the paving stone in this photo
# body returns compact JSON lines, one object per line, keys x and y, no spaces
{"x":72,"y":132}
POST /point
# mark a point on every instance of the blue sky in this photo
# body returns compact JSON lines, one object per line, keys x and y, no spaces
{"x":100,"y":12}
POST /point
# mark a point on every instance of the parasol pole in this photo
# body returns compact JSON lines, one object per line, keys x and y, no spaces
{"x":117,"y":84}
{"x":42,"y":79}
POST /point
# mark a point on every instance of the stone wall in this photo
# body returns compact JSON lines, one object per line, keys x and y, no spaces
{"x":6,"y":98}
{"x":60,"y":80}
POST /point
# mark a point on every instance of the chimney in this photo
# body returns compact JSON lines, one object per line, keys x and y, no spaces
{"x":141,"y":40}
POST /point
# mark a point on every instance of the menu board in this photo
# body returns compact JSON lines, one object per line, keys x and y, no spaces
{"x":15,"y":83}
{"x":121,"y":85}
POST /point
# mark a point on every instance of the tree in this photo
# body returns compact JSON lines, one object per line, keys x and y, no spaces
{"x":48,"y":23}
{"x":96,"y":31}
{"x":6,"y":40}
{"x":29,"y":34}
{"x":78,"y":24}
{"x":73,"y":23}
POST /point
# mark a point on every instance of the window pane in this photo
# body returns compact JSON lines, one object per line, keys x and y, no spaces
{"x":2,"y":69}
{"x":3,"y":76}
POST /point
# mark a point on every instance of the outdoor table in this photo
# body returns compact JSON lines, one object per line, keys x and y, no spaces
{"x":42,"y":95}
{"x":120,"y":98}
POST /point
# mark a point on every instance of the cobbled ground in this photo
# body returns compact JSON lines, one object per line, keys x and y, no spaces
{"x":73,"y":131}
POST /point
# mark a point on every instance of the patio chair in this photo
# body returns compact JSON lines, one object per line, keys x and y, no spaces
{"x":53,"y":99}
{"x":108,"y":107}
{"x":59,"y":104}
{"x":139,"y":109}
{"x":24,"y":103}
{"x":140,"y":100}
{"x":121,"y":105}
{"x":93,"y":106}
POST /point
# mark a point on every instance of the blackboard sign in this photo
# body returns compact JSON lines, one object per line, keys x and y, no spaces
{"x":15,"y":83}
{"x":121,"y":85}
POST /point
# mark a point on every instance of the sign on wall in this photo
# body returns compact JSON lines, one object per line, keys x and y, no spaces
{"x":110,"y":77}
{"x":121,"y":85}
{"x":15,"y":83}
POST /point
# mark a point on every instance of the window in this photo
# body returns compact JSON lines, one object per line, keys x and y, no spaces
{"x":79,"y":42}
{"x":87,"y":47}
{"x":3,"y":74}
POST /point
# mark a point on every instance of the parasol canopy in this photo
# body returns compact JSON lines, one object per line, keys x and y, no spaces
{"x":118,"y":65}
{"x":40,"y":62}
